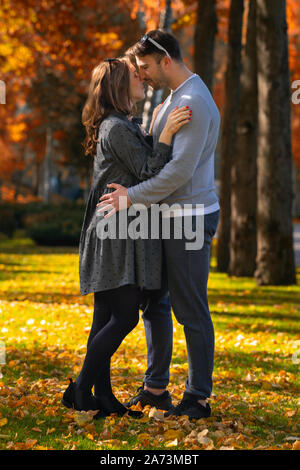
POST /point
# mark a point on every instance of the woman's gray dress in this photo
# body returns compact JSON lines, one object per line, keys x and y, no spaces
{"x":124,"y":156}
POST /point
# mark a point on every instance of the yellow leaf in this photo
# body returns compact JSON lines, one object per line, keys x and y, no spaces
{"x":172,"y":434}
{"x":50,"y":431}
{"x":90,"y":428}
{"x":156,"y":414}
{"x":3,"y":422}
{"x":296,"y":445}
{"x":142,"y":436}
{"x":137,"y":407}
{"x":266,"y":386}
{"x":82,"y":418}
{"x":30,"y":443}
{"x":145,"y":419}
{"x":36,"y":429}
{"x":172,"y":443}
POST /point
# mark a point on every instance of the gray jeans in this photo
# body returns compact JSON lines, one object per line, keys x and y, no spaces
{"x":187,"y":274}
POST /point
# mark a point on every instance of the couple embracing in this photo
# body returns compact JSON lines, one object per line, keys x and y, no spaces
{"x":172,"y":164}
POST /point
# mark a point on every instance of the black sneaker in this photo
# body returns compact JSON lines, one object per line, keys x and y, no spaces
{"x":161,"y":402}
{"x":190,"y":406}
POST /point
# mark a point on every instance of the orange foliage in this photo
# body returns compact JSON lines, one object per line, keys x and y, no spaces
{"x":42,"y":41}
{"x":39,"y":39}
{"x":293,"y":16}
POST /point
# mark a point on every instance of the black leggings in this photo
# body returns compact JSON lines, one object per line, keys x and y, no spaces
{"x":116,"y":314}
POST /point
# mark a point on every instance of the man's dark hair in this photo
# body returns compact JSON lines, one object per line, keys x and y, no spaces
{"x":163,"y":38}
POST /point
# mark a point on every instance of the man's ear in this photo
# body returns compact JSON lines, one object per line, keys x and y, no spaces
{"x":166,"y":61}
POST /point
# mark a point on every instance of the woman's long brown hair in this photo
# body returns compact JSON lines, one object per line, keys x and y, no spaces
{"x":108,"y":91}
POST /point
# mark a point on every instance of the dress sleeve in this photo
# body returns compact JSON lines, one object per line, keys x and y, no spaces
{"x":135,"y":153}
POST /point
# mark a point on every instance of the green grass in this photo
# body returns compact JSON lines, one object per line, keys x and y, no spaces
{"x":45,"y":324}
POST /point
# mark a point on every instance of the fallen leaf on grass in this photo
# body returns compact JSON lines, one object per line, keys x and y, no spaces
{"x":203,"y":439}
{"x":172,"y":443}
{"x":137,"y":407}
{"x":50,"y":431}
{"x":3,"y":422}
{"x":173,"y":434}
{"x":156,"y":414}
{"x":144,"y":419}
{"x":296,"y":445}
{"x":82,"y":417}
{"x":29,"y":443}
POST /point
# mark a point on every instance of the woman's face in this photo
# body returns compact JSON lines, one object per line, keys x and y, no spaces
{"x":137,"y":90}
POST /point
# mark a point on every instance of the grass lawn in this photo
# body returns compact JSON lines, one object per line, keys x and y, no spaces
{"x":45,"y":324}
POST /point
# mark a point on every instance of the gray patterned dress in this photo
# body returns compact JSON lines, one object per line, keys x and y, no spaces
{"x":124,"y":156}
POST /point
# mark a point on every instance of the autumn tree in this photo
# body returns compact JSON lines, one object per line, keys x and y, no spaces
{"x":275,"y":255}
{"x":204,"y":40}
{"x":243,"y":167}
{"x":232,"y":92}
{"x":48,"y":50}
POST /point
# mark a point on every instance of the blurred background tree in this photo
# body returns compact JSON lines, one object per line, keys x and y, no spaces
{"x":48,"y":50}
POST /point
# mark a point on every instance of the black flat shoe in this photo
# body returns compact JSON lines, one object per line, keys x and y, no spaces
{"x":78,"y":399}
{"x":109,"y":404}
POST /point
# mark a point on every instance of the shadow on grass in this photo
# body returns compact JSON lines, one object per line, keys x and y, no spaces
{"x":46,"y":297}
{"x":235,"y":296}
{"x":37,"y":249}
{"x":246,"y":320}
{"x":235,"y":359}
{"x":6,"y":274}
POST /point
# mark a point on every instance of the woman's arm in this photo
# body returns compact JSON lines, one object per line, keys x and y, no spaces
{"x":133,"y":152}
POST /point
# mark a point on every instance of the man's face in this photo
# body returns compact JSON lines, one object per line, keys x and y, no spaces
{"x":152,"y":72}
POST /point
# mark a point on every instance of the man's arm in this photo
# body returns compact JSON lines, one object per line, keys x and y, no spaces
{"x":188,"y":146}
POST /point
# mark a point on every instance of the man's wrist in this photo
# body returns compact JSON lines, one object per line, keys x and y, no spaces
{"x":128,"y":197}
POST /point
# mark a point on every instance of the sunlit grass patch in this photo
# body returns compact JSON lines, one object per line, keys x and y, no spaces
{"x":45,"y":324}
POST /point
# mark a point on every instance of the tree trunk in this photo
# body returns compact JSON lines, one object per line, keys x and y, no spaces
{"x":154,"y":97}
{"x":47,"y":165}
{"x":232,"y":92}
{"x":204,"y":41}
{"x":243,"y":170}
{"x":275,"y":254}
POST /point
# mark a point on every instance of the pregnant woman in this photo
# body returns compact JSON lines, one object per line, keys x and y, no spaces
{"x":116,"y":270}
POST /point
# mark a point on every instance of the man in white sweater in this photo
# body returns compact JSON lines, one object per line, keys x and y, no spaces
{"x":186,"y":180}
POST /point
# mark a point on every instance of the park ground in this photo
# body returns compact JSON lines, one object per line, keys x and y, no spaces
{"x":44,"y":328}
